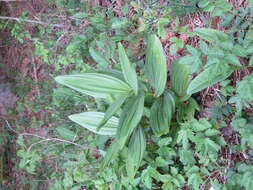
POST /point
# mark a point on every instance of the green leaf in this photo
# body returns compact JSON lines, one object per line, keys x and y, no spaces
{"x":129,"y":118}
{"x":160,"y":27}
{"x":173,"y":49}
{"x":66,"y":133}
{"x":113,"y":108}
{"x":110,"y":154}
{"x":180,"y":78}
{"x":119,"y":23}
{"x":210,"y":34}
{"x":251,"y":60}
{"x":239,"y":50}
{"x":212,"y":132}
{"x":127,"y":69}
{"x":245,"y":88}
{"x":208,"y":77}
{"x":100,"y":59}
{"x":136,"y":149}
{"x":94,"y":84}
{"x":195,"y":181}
{"x":80,"y":15}
{"x":232,"y":59}
{"x":156,"y":65}
{"x":195,"y":59}
{"x":90,"y":121}
{"x":161,"y":113}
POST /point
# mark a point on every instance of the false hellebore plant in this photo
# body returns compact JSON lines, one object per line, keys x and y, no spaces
{"x":147,"y":105}
{"x":133,"y":95}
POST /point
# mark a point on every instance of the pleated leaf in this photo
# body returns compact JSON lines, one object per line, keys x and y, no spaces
{"x":161,"y":114}
{"x":129,"y":118}
{"x":113,"y":108}
{"x":91,"y":120}
{"x":94,"y":84}
{"x":156,"y":65}
{"x":136,"y":150}
{"x":208,"y":77}
{"x":127,"y":69}
{"x":180,"y":78}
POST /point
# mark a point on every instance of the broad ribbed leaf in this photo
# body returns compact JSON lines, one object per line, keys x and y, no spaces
{"x":156,"y":65}
{"x":136,"y":149}
{"x":208,"y":77}
{"x":113,"y":108}
{"x":129,"y":118}
{"x":127,"y":69}
{"x":161,"y":113}
{"x":210,"y":34}
{"x":94,"y":84}
{"x":170,"y":97}
{"x":91,"y":120}
{"x":180,"y":78}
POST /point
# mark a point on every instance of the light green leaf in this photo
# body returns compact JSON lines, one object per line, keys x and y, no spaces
{"x":80,"y":15}
{"x":127,"y":69}
{"x":66,"y":133}
{"x":98,"y":57}
{"x":244,"y":88}
{"x":129,"y":118}
{"x":156,"y":65}
{"x":90,"y":121}
{"x":195,"y":59}
{"x":160,"y":27}
{"x":113,"y":108}
{"x":210,"y":34}
{"x":208,"y":77}
{"x":239,"y":50}
{"x":232,"y":59}
{"x":94,"y":84}
{"x":173,"y":49}
{"x":251,"y":60}
{"x":119,"y":23}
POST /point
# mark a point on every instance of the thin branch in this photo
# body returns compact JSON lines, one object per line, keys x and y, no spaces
{"x":43,"y":138}
{"x":31,"y":21}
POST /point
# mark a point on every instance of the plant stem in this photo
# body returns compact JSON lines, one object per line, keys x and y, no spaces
{"x":31,"y":21}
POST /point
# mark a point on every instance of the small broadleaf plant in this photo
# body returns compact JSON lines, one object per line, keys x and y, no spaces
{"x":132,"y":95}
